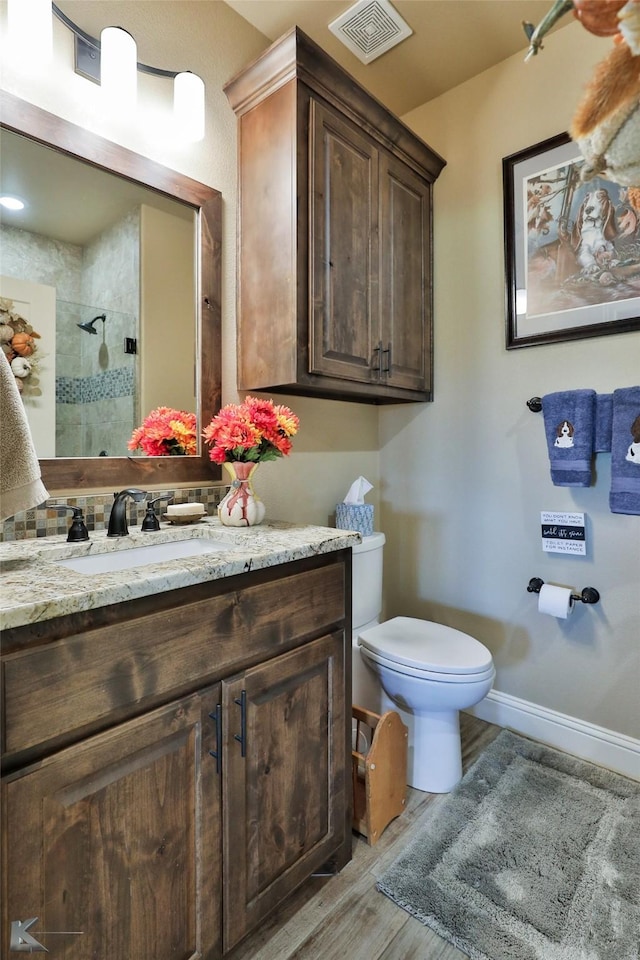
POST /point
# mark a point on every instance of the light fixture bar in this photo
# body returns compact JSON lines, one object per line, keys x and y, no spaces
{"x":189,"y":91}
{"x":88,"y":49}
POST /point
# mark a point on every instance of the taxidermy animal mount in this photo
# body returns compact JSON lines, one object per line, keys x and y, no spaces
{"x":606,"y":125}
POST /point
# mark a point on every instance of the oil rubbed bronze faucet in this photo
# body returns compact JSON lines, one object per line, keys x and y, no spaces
{"x":118,"y":516}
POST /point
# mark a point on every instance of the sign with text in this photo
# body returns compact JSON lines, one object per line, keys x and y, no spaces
{"x":563,"y":533}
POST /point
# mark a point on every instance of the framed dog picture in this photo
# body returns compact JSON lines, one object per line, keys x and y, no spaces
{"x":572,"y":249}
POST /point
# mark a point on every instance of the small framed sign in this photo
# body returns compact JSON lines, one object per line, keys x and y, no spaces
{"x":563,"y":533}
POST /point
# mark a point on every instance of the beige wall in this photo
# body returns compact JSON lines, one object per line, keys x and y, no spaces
{"x":167,"y":298}
{"x":464,"y":479}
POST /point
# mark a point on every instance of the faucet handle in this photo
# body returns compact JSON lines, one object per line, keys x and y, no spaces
{"x":151,"y":522}
{"x":78,"y":530}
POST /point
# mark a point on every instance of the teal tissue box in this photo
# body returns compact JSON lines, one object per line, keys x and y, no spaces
{"x":355,"y":516}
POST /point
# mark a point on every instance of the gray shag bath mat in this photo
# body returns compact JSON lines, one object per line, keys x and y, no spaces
{"x":534,"y":856}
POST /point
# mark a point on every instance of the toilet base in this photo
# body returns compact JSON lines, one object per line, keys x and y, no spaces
{"x":435,"y":753}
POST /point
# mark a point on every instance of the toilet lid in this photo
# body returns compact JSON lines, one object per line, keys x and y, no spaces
{"x":427,"y":646}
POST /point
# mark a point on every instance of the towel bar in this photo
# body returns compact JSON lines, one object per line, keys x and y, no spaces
{"x":588,"y":595}
{"x":535,"y":404}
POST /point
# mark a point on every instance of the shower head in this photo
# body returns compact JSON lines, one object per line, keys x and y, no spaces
{"x":88,"y":325}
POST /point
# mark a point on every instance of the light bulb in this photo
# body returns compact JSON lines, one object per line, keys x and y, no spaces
{"x":188,"y":106}
{"x":118,"y":67}
{"x":30,"y":28}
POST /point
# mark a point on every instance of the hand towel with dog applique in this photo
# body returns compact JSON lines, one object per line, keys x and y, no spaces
{"x":604,"y":423}
{"x":624,"y":496}
{"x":569,"y":424}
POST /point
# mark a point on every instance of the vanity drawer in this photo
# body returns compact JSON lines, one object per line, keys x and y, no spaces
{"x":89,"y":680}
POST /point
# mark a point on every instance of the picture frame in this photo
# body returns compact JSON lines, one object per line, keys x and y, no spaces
{"x":572,"y":249}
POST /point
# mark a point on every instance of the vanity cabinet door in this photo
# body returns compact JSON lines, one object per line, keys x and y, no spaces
{"x":343,"y":248}
{"x":119,"y":838}
{"x":283,"y":779}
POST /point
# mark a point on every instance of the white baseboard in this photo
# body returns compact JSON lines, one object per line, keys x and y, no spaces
{"x":586,"y":740}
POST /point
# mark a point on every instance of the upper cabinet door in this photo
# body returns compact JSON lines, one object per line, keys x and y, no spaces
{"x":343,"y":247}
{"x":405,"y":276}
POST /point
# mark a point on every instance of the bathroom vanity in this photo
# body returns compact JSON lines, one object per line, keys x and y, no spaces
{"x":175,"y":739}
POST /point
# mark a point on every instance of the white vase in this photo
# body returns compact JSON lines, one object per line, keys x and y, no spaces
{"x":241,"y":507}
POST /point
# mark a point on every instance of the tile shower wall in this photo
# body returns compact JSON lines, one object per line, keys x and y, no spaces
{"x":97,"y":387}
{"x":46,"y":522}
{"x":95,"y":395}
{"x":29,"y":256}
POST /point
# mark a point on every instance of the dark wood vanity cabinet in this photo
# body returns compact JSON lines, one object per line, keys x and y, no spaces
{"x":171,"y":823}
{"x":114,"y":843}
{"x":334,"y":234}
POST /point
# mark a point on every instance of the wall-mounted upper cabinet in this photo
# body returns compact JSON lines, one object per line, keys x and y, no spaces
{"x":334,"y":235}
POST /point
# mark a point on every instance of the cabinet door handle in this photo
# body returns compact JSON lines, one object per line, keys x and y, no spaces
{"x":387,"y":370}
{"x":242,"y":736}
{"x":377,"y":356}
{"x":217,"y":753}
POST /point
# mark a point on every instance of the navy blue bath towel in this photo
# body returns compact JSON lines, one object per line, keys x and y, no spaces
{"x":569,"y":424}
{"x":604,"y":423}
{"x":624,"y":496}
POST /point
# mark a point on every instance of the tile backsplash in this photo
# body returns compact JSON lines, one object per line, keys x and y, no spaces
{"x":45,"y":521}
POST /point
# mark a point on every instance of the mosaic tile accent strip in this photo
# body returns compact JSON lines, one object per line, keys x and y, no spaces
{"x":101,"y":386}
{"x":45,"y":521}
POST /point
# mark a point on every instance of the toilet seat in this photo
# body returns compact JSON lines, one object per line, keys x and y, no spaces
{"x":422,"y":674}
{"x":421,"y":648}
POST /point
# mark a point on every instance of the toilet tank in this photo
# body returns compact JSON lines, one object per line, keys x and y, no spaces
{"x":367,"y":580}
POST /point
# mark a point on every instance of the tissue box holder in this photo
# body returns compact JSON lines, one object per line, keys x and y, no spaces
{"x":355,"y":516}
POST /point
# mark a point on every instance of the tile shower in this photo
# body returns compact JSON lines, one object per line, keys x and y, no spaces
{"x":95,"y":381}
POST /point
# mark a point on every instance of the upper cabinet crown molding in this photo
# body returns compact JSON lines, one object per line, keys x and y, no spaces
{"x":295,"y":55}
{"x":335,"y":233}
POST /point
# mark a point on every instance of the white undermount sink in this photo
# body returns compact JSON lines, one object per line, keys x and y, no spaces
{"x":126,"y":559}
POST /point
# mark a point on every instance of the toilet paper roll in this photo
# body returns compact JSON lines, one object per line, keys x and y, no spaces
{"x":556,"y":601}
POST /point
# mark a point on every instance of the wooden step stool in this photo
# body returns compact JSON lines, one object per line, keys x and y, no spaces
{"x":379,"y":776}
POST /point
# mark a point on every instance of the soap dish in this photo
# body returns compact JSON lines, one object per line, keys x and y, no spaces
{"x":182,"y":518}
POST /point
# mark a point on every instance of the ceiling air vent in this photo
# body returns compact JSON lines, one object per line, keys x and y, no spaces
{"x":369,"y":28}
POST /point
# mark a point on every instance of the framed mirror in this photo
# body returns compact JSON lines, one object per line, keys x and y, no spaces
{"x":157,"y":314}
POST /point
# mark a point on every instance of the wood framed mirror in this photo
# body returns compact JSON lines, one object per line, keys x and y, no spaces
{"x":117,"y":472}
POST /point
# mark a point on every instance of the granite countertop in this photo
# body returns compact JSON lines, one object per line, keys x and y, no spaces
{"x":33,"y":587}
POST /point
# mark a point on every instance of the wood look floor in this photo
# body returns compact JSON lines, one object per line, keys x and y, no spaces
{"x":344,"y":917}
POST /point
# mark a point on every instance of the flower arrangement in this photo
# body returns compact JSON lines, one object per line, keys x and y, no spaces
{"x":166,"y":433}
{"x":18,"y":342}
{"x":251,"y":432}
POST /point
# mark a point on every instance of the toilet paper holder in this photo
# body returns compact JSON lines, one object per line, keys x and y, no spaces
{"x":588,"y":595}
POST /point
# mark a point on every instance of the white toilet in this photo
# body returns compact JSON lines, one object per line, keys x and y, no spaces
{"x":425,"y":671}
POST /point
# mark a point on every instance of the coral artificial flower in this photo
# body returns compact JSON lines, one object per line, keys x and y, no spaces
{"x":166,"y":432}
{"x":251,"y":432}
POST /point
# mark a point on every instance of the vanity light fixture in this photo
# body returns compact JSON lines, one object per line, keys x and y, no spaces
{"x":30,"y":29}
{"x":188,"y":105}
{"x":108,"y":60}
{"x":118,"y":66}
